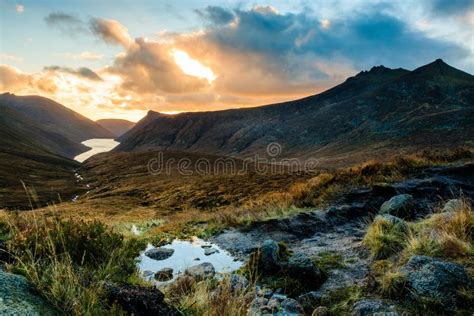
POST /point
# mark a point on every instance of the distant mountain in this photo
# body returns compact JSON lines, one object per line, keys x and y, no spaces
{"x":37,"y":138}
{"x":116,"y":126}
{"x":19,"y":134}
{"x":55,"y":117}
{"x":378,"y":110}
{"x":33,"y":157}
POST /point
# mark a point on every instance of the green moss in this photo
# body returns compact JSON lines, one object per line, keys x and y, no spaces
{"x":328,"y":260}
{"x":340,"y":301}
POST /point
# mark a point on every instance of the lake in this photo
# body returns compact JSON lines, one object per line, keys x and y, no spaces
{"x":97,"y":145}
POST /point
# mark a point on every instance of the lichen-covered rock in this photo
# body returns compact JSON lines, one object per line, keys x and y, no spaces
{"x":201,"y":271}
{"x":399,"y":205}
{"x":269,"y":257}
{"x":257,"y":304}
{"x":432,"y":280}
{"x":291,"y":306}
{"x":301,"y":266}
{"x":159,"y":253}
{"x":17,"y":298}
{"x":164,"y":274}
{"x":238,"y":283}
{"x":310,"y":300}
{"x":138,"y":300}
{"x":372,"y":307}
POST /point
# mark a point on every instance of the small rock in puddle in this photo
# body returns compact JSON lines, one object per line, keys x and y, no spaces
{"x":148,"y":273}
{"x":164,"y":274}
{"x":159,"y":253}
{"x":210,"y":251}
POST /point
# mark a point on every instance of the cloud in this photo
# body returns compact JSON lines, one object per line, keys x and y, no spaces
{"x":68,"y":24}
{"x":86,"y":56}
{"x":110,"y":31}
{"x":148,"y":67}
{"x":11,"y":58}
{"x":216,"y":15}
{"x":83,"y":72}
{"x":451,"y":7}
{"x":20,"y":8}
{"x":255,"y":56}
{"x":13,"y":80}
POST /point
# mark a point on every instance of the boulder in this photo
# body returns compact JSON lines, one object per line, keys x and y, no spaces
{"x":273,"y":305}
{"x":17,"y":298}
{"x":301,"y":267}
{"x":291,"y":306}
{"x":159,"y":253}
{"x":267,"y":293}
{"x":256,"y":305}
{"x":238,"y":283}
{"x":370,"y":307}
{"x":164,"y":274}
{"x":201,"y":271}
{"x":431,"y":280}
{"x":269,"y":257}
{"x":310,"y":300}
{"x":138,"y":300}
{"x":399,"y":205}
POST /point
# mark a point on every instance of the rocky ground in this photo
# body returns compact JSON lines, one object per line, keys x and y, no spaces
{"x":339,"y":230}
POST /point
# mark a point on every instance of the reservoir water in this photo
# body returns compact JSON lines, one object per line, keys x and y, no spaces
{"x":97,"y":145}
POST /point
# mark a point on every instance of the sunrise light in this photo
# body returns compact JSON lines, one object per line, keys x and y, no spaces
{"x":192,"y":66}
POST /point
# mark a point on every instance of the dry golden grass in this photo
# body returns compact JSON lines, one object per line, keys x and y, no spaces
{"x":210,"y":297}
{"x":448,"y":235}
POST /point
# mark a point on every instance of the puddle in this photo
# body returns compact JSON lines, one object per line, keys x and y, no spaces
{"x":184,"y":256}
{"x":97,"y":145}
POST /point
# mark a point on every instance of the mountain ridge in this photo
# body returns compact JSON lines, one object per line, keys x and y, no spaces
{"x":55,"y":116}
{"x":373,"y":109}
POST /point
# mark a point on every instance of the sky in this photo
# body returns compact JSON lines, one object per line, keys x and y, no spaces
{"x":119,"y":59}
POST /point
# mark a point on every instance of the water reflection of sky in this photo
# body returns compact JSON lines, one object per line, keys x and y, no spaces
{"x":184,"y":256}
{"x":97,"y":145}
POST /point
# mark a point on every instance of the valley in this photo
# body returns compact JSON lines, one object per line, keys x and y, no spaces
{"x":205,"y":213}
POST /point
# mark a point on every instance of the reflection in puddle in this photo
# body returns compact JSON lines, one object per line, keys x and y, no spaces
{"x":187,"y":254}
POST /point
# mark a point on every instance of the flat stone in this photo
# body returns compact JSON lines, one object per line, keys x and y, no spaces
{"x":164,"y":274}
{"x":210,"y":251}
{"x":159,"y":253}
{"x":201,"y":271}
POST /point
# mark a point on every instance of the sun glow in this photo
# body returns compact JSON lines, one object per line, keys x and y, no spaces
{"x":191,"y":66}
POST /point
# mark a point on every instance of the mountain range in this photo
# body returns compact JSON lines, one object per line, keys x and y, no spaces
{"x":38,"y":139}
{"x":118,"y":127}
{"x":381,"y":110}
